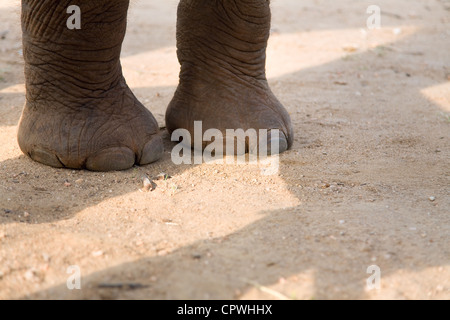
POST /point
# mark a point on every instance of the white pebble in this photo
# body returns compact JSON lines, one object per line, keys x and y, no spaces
{"x":97,"y":254}
{"x":31,"y":275}
{"x":147,"y":184}
{"x":397,"y":31}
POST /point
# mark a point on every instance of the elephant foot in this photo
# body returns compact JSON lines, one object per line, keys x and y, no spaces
{"x":111,"y":132}
{"x":79,"y":111}
{"x":223,"y":84}
{"x":228,"y":106}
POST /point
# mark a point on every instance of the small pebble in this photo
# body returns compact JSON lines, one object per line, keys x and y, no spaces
{"x":147,"y":184}
{"x":97,"y":254}
{"x":351,"y":48}
{"x":440,"y":288}
{"x":3,"y":34}
{"x":46,"y":257}
{"x":163,"y":253}
{"x":432,"y":199}
{"x":163,"y":176}
{"x":139,"y":243}
{"x":31,"y":275}
{"x":397,"y":31}
{"x":26,"y":214}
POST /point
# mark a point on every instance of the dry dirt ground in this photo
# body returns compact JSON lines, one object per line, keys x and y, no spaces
{"x":366,"y":183}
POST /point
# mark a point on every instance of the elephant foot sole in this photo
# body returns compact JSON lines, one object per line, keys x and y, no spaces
{"x":109,"y":133}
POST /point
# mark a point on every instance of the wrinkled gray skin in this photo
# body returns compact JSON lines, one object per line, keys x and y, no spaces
{"x":80,"y":112}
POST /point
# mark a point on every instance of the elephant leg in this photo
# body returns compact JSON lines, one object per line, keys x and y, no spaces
{"x":79,"y":111}
{"x":222,"y":51}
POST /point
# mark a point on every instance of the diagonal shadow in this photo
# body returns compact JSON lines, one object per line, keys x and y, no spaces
{"x":223,"y":266}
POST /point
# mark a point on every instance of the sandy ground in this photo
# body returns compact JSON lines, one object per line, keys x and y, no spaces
{"x":366,"y":183}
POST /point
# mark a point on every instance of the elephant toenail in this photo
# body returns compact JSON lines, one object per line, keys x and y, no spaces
{"x":46,"y":157}
{"x":153,"y":151}
{"x":274,"y":143}
{"x":112,"y":159}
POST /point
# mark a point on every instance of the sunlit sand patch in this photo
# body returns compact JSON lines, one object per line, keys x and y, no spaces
{"x":17,"y":88}
{"x":439,"y":95}
{"x":407,"y":284}
{"x":152,"y":68}
{"x":7,"y":4}
{"x":296,"y":287}
{"x":11,"y":150}
{"x":303,"y":50}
